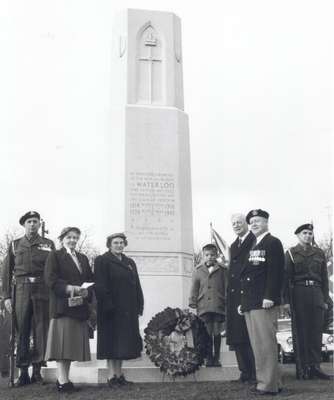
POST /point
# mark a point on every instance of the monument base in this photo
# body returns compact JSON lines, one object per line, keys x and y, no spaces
{"x":143,"y":370}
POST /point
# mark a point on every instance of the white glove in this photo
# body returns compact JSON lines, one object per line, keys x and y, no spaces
{"x":8,"y":305}
{"x":267,"y":303}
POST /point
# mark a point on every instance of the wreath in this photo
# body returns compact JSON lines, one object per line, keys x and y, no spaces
{"x":176,"y":341}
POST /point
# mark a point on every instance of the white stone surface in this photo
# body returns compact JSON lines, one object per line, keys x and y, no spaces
{"x":150,"y":149}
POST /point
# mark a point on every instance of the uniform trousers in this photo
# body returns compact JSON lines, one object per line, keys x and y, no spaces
{"x":246,"y":362}
{"x":262,"y":328}
{"x":32,"y":319}
{"x":308,"y":302}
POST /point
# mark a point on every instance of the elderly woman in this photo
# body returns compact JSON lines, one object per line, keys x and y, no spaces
{"x":119,"y":304}
{"x":68,"y":340}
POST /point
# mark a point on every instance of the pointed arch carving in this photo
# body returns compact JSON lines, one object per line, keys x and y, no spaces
{"x":149,"y":66}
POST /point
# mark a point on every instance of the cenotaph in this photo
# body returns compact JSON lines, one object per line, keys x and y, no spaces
{"x":150,"y":133}
{"x":150,"y":176}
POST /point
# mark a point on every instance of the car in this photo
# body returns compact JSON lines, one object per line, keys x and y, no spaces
{"x":285,"y":342}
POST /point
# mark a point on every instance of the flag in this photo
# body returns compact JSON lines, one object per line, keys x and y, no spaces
{"x":222,"y":246}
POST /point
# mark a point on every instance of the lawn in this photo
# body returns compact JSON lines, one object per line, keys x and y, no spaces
{"x":294,"y":390}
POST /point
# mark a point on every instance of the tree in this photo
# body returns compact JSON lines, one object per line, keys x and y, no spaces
{"x":87,"y":247}
{"x":326,"y":246}
{"x":5,"y":242}
{"x":197,"y":257}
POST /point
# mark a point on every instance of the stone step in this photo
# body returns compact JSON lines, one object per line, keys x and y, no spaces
{"x":84,"y":375}
{"x":226,"y":358}
{"x":142,"y":370}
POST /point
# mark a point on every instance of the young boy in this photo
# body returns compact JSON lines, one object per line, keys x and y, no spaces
{"x":208,"y":297}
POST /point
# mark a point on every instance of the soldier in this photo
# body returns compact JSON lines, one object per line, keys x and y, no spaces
{"x":26,"y":260}
{"x":236,"y":330}
{"x":306,"y":295}
{"x":261,"y":283}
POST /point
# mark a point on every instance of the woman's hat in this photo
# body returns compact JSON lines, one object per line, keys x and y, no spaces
{"x":68,"y":229}
{"x":116,"y":235}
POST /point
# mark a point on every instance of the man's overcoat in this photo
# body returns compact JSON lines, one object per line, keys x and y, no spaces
{"x":236,"y":329}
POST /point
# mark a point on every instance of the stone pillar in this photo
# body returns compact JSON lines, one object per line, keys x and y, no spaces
{"x":150,"y":149}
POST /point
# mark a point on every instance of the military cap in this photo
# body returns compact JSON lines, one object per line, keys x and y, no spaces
{"x":116,"y":235}
{"x":300,"y":228}
{"x":257,"y":213}
{"x":29,"y":214}
{"x":68,"y":229}
{"x":210,"y":246}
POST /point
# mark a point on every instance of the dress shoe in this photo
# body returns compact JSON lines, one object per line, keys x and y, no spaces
{"x":67,"y":387}
{"x":242,"y":379}
{"x":36,"y":377}
{"x":216,"y":362}
{"x":113,"y":382}
{"x":209,"y":362}
{"x":317,"y":373}
{"x":239,"y":380}
{"x":305,"y":375}
{"x":122,"y":381}
{"x":23,"y":379}
{"x":258,"y":392}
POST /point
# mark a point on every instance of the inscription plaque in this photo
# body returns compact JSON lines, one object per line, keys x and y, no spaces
{"x":151,"y":205}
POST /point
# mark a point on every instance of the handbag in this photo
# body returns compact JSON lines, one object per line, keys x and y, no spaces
{"x":74,"y":301}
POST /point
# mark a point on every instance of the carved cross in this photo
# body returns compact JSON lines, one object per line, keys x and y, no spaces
{"x":150,"y":42}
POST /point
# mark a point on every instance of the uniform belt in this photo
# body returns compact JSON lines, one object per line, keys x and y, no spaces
{"x":307,"y":283}
{"x":29,"y":279}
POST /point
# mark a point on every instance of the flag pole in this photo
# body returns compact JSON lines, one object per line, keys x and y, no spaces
{"x":314,"y":243}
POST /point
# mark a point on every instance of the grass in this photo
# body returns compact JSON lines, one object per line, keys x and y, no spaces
{"x":293,"y":389}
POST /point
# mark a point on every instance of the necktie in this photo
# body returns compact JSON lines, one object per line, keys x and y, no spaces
{"x":239,"y":242}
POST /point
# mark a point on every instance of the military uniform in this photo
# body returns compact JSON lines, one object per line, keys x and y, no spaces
{"x":26,"y":260}
{"x":306,"y":290}
{"x":236,"y":329}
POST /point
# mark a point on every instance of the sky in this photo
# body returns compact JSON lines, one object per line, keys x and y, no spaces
{"x":258,"y":90}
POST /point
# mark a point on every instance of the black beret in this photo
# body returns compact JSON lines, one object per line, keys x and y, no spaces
{"x":68,"y":229}
{"x":300,"y":228}
{"x":116,"y":235}
{"x":29,"y":214}
{"x":257,"y":213}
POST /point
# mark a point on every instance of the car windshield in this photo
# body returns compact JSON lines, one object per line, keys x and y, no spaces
{"x":284,"y":325}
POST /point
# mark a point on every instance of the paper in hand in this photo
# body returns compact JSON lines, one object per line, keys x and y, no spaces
{"x":86,"y":285}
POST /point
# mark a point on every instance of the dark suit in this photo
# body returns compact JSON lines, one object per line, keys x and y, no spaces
{"x":262,"y":278}
{"x":236,"y":329}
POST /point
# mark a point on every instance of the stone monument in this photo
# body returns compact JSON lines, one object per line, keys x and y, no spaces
{"x":150,"y":175}
{"x":150,"y":133}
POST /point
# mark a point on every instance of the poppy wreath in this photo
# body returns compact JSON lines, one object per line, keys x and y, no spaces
{"x":176,"y":341}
